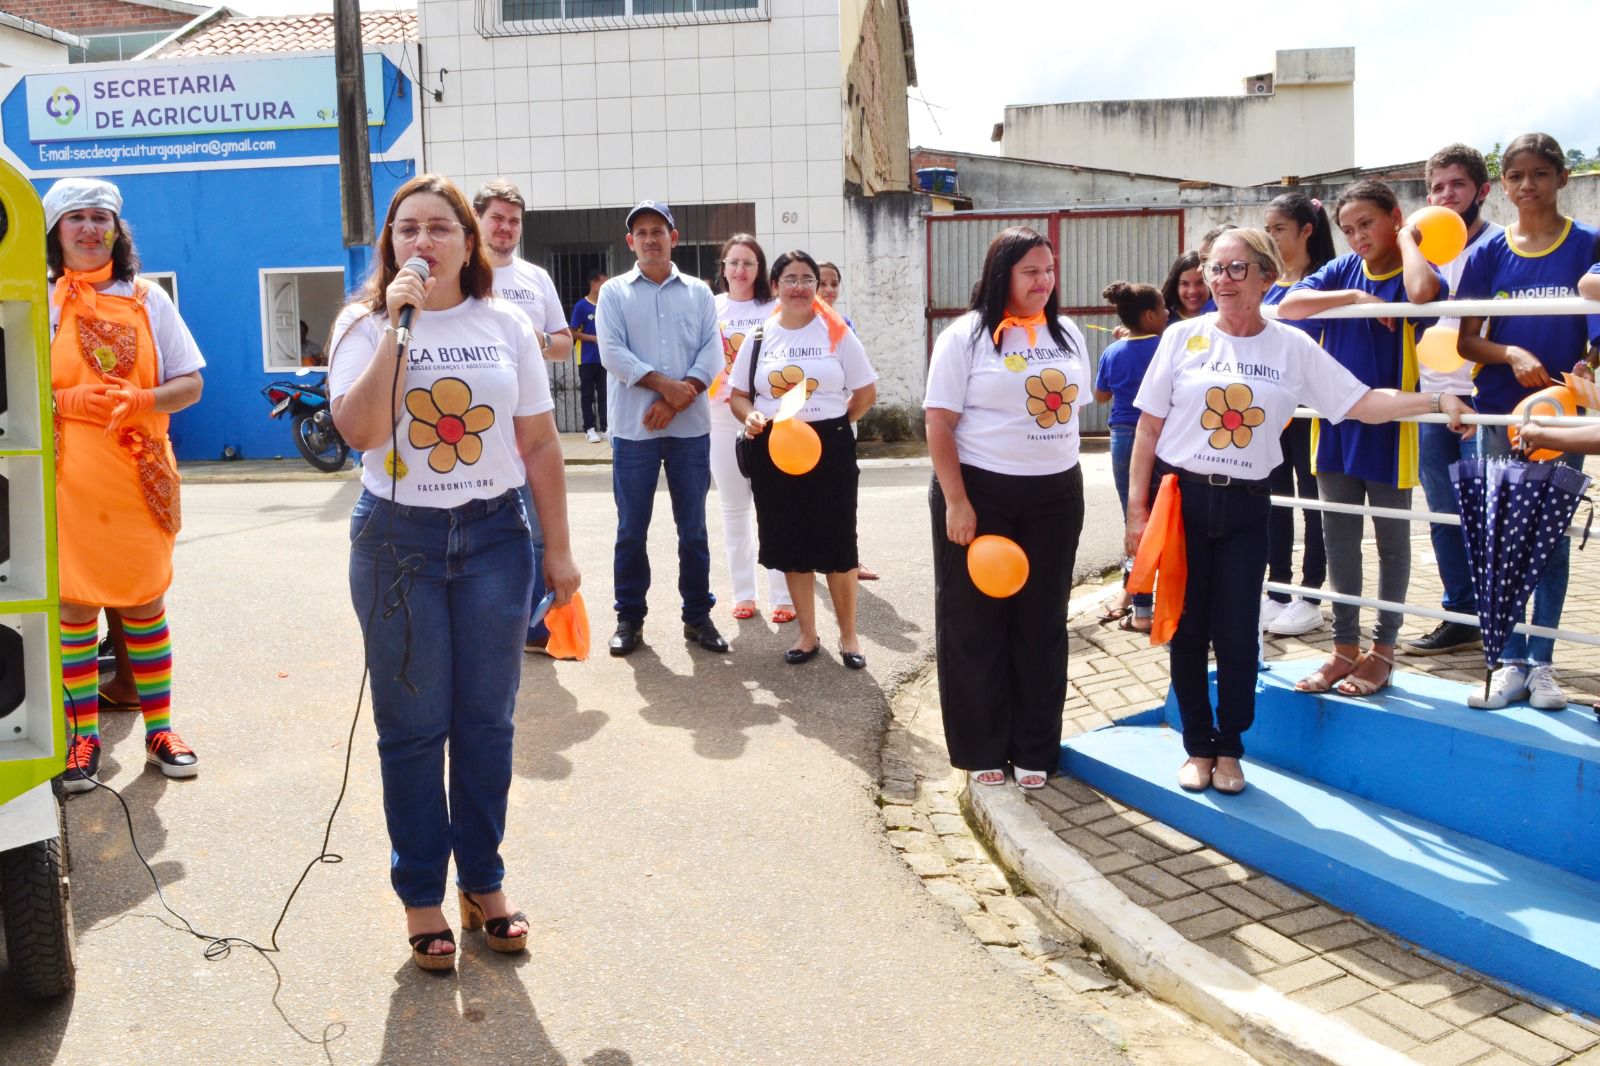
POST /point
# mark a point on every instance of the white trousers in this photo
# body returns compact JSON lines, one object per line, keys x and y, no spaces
{"x":738,"y":511}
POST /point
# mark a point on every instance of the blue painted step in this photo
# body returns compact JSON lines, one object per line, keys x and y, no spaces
{"x":1525,"y":922}
{"x":1526,"y":780}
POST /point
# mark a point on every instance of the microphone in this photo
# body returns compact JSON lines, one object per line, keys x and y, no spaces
{"x":418,"y":266}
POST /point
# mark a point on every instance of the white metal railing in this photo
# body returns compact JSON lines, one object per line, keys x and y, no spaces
{"x":1441,"y":309}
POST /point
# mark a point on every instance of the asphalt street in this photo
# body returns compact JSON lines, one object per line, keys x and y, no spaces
{"x":694,"y":836}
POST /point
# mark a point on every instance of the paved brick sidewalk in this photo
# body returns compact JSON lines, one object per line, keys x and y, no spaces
{"x":1321,"y":957}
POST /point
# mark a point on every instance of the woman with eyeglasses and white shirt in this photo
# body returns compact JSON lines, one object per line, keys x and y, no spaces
{"x":806,"y":522}
{"x":450,"y":434}
{"x":1217,"y":392}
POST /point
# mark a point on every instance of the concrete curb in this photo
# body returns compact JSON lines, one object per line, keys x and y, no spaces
{"x":1154,"y":956}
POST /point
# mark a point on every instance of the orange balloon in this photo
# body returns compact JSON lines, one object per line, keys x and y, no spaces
{"x":998,"y":565}
{"x":1436,"y":349}
{"x":795,"y":446}
{"x":1555,"y":402}
{"x":1444,"y":234}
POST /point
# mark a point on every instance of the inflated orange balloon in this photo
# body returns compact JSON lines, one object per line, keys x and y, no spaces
{"x":795,"y":446}
{"x":998,"y":565}
{"x":1555,"y":402}
{"x":1444,"y":235}
{"x":1436,"y":349}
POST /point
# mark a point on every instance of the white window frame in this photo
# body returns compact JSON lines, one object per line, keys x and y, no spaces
{"x":266,"y":317}
{"x":157,"y":276}
{"x":627,"y":20}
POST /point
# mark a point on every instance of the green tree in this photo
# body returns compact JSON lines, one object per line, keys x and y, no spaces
{"x":1492,"y":158}
{"x":1575,"y":158}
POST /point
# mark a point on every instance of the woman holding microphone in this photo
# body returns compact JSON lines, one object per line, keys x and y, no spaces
{"x":1004,"y":388}
{"x":440,"y":526}
{"x":1219,"y":387}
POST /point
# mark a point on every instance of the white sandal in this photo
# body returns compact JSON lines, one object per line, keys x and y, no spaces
{"x":1030,"y":779}
{"x":988,"y":777}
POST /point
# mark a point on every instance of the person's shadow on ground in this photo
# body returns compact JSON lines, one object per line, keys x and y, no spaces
{"x":548,"y":720}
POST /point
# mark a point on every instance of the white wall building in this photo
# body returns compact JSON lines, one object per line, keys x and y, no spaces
{"x":1298,"y":120}
{"x":25,"y":43}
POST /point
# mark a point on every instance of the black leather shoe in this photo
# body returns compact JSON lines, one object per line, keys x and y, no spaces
{"x":1446,"y":637}
{"x":627,"y":636}
{"x":705,"y":634}
{"x":794,"y":656}
{"x":854,"y":659}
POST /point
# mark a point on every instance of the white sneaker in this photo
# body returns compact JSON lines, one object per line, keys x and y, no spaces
{"x":593,"y":435}
{"x":1508,"y":685}
{"x":1270,"y":609}
{"x":1301,"y":616}
{"x":1545,"y":694}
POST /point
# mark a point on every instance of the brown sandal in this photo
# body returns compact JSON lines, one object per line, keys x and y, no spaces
{"x":427,"y":960}
{"x":495,"y":930}
{"x":1319,"y":681}
{"x":1351,"y":685}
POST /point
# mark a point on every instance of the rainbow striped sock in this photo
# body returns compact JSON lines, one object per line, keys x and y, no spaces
{"x":80,"y":676}
{"x":150,"y":648}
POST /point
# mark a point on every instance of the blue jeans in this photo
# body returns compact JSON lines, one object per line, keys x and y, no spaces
{"x":1121,"y":460}
{"x":1438,"y":448}
{"x":444,"y":647}
{"x":1550,"y":594}
{"x":635,"y":471}
{"x":539,"y":632}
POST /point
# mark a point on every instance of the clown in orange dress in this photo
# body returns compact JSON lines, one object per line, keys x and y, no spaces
{"x":121,"y":361}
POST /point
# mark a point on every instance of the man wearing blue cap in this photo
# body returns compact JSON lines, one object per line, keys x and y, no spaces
{"x":660,"y":345}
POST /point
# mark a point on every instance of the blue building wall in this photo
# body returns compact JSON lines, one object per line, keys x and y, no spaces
{"x":216,"y":229}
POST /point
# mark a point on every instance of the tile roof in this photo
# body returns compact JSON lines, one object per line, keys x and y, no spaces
{"x":232,"y":35}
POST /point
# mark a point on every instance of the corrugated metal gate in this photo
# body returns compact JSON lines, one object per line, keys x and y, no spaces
{"x":1093,"y":249}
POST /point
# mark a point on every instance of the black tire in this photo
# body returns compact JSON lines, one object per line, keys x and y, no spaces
{"x":333,"y":451}
{"x":38,"y":918}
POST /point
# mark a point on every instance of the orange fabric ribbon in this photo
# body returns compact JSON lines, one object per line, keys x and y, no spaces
{"x":837,"y":328}
{"x":1163,"y":548}
{"x":1031,"y":324}
{"x":569,"y":630}
{"x":79,"y":285}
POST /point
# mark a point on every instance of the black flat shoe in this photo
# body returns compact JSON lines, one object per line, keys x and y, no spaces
{"x":626,"y":638}
{"x":854,"y":659}
{"x":705,"y":634}
{"x":794,"y":656}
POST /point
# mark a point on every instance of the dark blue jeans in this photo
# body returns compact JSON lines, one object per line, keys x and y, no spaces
{"x":444,"y":646}
{"x":1296,"y":470}
{"x":540,"y":631}
{"x":1438,"y":448}
{"x":1225,"y":530}
{"x":635,"y":471}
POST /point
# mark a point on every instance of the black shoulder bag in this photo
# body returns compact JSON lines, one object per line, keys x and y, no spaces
{"x":743,"y":446}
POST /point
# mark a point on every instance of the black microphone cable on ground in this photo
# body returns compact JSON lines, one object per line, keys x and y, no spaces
{"x":394,"y":599}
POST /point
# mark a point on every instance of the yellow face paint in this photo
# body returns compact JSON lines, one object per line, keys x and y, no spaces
{"x":110,"y":238}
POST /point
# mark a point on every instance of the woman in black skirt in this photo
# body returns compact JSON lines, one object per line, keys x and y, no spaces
{"x":1004,"y":388}
{"x":806,"y":523}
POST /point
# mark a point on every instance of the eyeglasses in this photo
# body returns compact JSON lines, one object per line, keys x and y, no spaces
{"x":1238,"y":270}
{"x":805,"y":282}
{"x":408,"y":232}
{"x":739,"y":264}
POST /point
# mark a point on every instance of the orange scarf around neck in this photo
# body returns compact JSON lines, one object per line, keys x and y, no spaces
{"x":80,"y":285}
{"x":1031,"y":324}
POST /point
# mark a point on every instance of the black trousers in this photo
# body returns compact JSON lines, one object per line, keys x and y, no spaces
{"x":1003,"y":663}
{"x":1295,"y":468}
{"x":1225,"y":529}
{"x":592,"y":393}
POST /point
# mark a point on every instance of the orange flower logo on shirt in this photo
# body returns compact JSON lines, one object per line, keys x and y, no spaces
{"x":445,"y":421}
{"x":787,"y":378}
{"x":1230,"y":417}
{"x":1050,"y":398}
{"x":730,"y":348}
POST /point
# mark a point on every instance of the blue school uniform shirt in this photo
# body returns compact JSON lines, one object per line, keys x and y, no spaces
{"x":1495,"y":270}
{"x":1381,"y":359}
{"x":1312,"y":327}
{"x":1121,"y":372}
{"x":583,"y":322}
{"x":1594,"y":320}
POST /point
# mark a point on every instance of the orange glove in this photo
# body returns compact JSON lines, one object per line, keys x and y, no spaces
{"x":130,"y":400}
{"x":86,"y":403}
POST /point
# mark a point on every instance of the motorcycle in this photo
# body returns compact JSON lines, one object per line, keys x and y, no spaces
{"x":315,"y":435}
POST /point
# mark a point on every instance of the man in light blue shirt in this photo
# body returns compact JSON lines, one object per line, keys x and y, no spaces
{"x":660,"y":346}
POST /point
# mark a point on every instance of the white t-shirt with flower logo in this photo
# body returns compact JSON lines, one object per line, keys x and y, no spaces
{"x":1019,"y":402}
{"x":736,"y":320}
{"x":471,"y":370}
{"x":793,"y":357}
{"x":1226,"y":399}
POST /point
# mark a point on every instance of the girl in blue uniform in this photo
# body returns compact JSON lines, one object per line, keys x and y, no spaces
{"x":1542,"y":254}
{"x":1117,"y":379}
{"x":1299,"y":227}
{"x":1362,"y":464}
